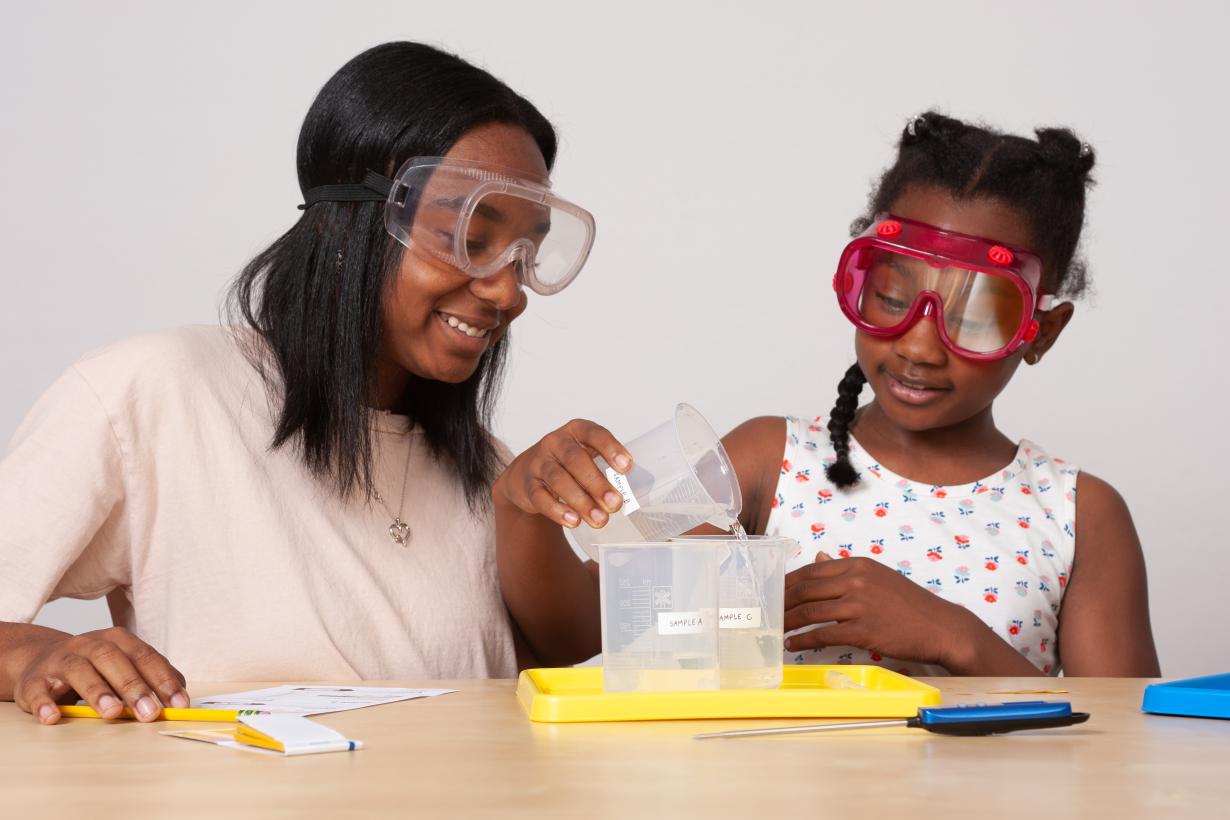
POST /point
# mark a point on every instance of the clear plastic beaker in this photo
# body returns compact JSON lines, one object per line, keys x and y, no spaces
{"x":659,"y":615}
{"x":751,"y":601}
{"x":681,"y":478}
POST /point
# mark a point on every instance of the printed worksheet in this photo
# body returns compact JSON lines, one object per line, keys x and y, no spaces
{"x":312,"y":700}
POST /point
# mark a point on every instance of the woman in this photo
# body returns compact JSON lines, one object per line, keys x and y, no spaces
{"x":304,"y":495}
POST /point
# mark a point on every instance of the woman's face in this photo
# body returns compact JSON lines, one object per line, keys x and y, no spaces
{"x":918,"y":382}
{"x":428,"y":302}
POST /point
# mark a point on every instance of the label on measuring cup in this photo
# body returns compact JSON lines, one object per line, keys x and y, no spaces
{"x":680,"y":623}
{"x":732,"y":617}
{"x":620,"y":482}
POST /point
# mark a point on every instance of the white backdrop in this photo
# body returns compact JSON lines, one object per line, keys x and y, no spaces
{"x":147,"y":151}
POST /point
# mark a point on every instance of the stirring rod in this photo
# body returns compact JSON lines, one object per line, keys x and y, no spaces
{"x":798,"y":730}
{"x":953,"y":720}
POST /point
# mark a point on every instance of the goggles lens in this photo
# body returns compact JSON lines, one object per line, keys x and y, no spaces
{"x":980,"y":294}
{"x":982,"y":312}
{"x":480,"y":219}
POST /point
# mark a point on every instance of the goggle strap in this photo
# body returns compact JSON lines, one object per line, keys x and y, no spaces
{"x":374,"y":188}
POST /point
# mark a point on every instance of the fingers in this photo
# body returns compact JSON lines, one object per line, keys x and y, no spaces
{"x":821,"y":589}
{"x":576,"y":459}
{"x":546,"y":503}
{"x":79,"y":673}
{"x":810,"y":613}
{"x":166,"y":681}
{"x":108,"y":670}
{"x":818,"y":571}
{"x":599,"y":440}
{"x":838,"y":634}
{"x":561,"y":483}
{"x":35,"y":695}
{"x":558,"y":478}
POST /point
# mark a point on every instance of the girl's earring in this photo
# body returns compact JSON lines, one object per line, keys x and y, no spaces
{"x":1032,"y":357}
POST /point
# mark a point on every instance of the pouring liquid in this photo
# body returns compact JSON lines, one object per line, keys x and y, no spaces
{"x":750,"y":656}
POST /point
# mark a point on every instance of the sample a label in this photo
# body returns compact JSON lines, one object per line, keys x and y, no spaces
{"x":620,"y":482}
{"x":739,"y":617}
{"x":680,"y":623}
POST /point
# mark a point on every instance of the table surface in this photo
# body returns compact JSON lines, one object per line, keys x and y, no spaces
{"x":473,"y":754}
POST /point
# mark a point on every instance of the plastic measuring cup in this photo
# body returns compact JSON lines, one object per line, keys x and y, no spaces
{"x":659,"y":615}
{"x":681,"y":478}
{"x":751,"y":601}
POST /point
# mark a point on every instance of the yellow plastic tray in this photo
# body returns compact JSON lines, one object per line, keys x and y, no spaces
{"x":574,"y":695}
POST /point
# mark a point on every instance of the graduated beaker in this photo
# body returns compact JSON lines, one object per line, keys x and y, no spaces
{"x":659,"y":615}
{"x":681,"y":478}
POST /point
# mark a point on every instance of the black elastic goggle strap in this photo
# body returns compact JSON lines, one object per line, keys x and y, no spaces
{"x":375,"y":188}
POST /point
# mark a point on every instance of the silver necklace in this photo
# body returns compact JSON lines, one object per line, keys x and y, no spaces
{"x":399,"y":531}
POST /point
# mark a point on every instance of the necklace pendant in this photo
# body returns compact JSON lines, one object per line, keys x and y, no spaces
{"x":399,"y":532}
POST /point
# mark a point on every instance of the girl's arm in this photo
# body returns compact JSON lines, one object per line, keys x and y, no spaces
{"x":1104,"y":622}
{"x":755,"y":448}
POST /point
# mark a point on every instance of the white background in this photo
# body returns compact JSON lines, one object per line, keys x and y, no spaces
{"x":147,"y":151}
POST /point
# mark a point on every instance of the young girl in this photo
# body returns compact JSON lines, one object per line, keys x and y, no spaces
{"x":931,"y":541}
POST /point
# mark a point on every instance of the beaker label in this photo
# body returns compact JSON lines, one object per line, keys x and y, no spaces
{"x":620,"y":482}
{"x":732,"y":617}
{"x":680,"y":623}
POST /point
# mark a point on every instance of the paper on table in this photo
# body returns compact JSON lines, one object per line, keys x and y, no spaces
{"x":296,"y":735}
{"x":313,"y":700}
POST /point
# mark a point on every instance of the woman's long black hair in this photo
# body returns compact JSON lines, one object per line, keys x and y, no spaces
{"x":1044,"y":178}
{"x":315,"y":296}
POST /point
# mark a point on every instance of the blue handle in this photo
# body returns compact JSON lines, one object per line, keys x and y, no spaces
{"x":1019,"y":710}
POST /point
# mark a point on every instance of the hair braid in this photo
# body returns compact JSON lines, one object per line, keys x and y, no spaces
{"x":841,"y":472}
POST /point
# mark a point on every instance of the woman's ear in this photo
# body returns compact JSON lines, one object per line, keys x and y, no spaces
{"x":1050,"y":324}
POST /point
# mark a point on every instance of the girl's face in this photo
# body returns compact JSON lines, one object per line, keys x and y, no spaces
{"x":918,"y":382}
{"x":428,"y":302}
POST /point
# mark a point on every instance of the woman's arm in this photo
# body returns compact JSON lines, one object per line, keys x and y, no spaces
{"x":1104,"y":625}
{"x":550,"y":593}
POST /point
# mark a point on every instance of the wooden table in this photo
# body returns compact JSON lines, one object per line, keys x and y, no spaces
{"x":473,"y":754}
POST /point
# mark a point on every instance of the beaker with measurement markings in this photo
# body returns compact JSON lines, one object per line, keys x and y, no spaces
{"x":659,"y":615}
{"x":751,"y":606}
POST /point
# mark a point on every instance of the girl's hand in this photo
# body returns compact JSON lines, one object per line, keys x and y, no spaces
{"x":557,"y":477}
{"x":874,"y":608}
{"x":109,"y":669}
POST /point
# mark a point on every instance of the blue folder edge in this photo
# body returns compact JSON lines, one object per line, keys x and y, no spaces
{"x":1207,"y":696}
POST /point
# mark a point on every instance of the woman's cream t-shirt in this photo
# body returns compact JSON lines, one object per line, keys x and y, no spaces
{"x":145,"y":474}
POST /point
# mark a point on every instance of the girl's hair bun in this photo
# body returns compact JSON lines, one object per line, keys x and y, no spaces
{"x":1062,"y":148}
{"x":931,"y":125}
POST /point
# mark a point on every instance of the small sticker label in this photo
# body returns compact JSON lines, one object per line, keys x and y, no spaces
{"x":739,"y":617}
{"x":620,"y":482}
{"x":680,"y":623}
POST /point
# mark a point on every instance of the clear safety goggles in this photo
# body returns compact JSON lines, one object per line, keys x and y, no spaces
{"x":478,"y":218}
{"x":981,"y":294}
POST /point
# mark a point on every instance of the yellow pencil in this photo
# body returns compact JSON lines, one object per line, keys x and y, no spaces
{"x":168,"y":713}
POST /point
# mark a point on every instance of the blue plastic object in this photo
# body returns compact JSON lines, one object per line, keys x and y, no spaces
{"x":1018,"y":710}
{"x":1207,"y":697}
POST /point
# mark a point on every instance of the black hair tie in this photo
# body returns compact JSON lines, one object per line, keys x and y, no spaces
{"x":374,"y":188}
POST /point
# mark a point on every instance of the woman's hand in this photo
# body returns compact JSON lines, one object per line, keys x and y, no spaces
{"x":109,"y":669}
{"x":875,"y":608}
{"x":557,"y":477}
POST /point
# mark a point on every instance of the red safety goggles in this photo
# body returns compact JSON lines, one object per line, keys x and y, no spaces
{"x":982,"y":294}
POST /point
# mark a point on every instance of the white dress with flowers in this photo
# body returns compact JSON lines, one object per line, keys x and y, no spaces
{"x":1001,"y":547}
